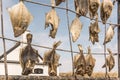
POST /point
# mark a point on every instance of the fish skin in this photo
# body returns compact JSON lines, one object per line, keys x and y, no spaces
{"x":58,"y":2}
{"x":47,"y":59}
{"x":93,"y":7}
{"x":109,"y":34}
{"x":90,"y":62}
{"x":75,"y":29}
{"x":93,"y":32}
{"x":106,"y":10}
{"x":52,"y":19}
{"x":110,"y":60}
{"x":81,"y":7}
{"x":20,"y":18}
{"x":28,"y":56}
{"x":25,"y":55}
{"x":79,"y":62}
{"x":52,"y":59}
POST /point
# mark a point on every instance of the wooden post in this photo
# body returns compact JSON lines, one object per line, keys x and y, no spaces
{"x":119,"y":39}
{"x":70,"y":39}
{"x":4,"y":47}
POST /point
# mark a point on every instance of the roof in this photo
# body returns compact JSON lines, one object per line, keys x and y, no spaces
{"x":13,"y":48}
{"x":10,"y":50}
{"x":17,"y":62}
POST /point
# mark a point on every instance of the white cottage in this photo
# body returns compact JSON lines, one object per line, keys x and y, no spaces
{"x":13,"y":64}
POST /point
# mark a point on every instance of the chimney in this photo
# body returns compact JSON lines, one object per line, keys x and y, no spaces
{"x":23,"y":38}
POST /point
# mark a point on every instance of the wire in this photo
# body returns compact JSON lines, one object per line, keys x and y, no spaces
{"x":38,"y":3}
{"x":46,"y":47}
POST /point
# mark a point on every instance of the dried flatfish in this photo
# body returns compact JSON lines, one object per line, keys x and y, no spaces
{"x":52,"y":19}
{"x":58,"y":2}
{"x":52,"y":59}
{"x":28,"y":57}
{"x":81,"y":7}
{"x":79,"y":62}
{"x":106,"y":10}
{"x":93,"y":32}
{"x":93,"y":7}
{"x":75,"y":29}
{"x":20,"y":18}
{"x":110,"y":61}
{"x":90,"y":62}
{"x":109,"y":34}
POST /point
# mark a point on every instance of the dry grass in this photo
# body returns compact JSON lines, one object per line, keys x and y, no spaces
{"x":101,"y":74}
{"x":94,"y":75}
{"x":66,"y":74}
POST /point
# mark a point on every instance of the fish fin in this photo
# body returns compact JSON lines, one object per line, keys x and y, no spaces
{"x":104,"y":66}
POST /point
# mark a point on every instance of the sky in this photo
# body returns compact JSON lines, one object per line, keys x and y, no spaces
{"x":41,"y":36}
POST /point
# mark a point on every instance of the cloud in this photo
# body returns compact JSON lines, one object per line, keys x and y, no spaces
{"x":45,"y":40}
{"x":66,"y":63}
{"x":97,"y":48}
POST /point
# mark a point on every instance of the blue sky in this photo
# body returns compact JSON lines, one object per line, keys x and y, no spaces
{"x":40,"y":35}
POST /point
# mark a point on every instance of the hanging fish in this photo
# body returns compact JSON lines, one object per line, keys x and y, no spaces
{"x":58,"y":2}
{"x":28,"y":57}
{"x":75,"y":29}
{"x":20,"y":18}
{"x":93,"y":7}
{"x":93,"y":32}
{"x":106,"y":10}
{"x":90,"y":62}
{"x":109,"y":34}
{"x":52,"y":19}
{"x":52,"y":59}
{"x":81,"y":7}
{"x":110,"y":61}
{"x":79,"y":62}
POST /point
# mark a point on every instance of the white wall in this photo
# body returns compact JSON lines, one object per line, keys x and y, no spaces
{"x":15,"y":69}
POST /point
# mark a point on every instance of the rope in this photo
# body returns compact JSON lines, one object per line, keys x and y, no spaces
{"x":46,"y":47}
{"x":2,"y":32}
{"x":69,"y":36}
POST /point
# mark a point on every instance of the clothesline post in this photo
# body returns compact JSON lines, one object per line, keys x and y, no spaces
{"x":4,"y":47}
{"x":118,"y":39}
{"x":70,"y":41}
